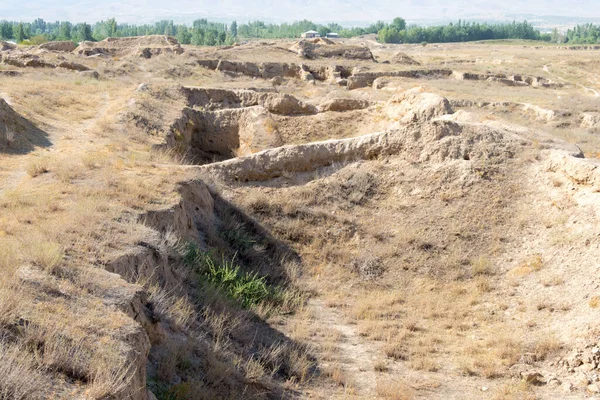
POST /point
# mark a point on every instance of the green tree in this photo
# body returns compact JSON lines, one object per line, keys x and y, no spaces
{"x":229,"y":40}
{"x":198,"y":37}
{"x":389,"y":34}
{"x":323,"y":30}
{"x":211,"y":37}
{"x":222,"y":36}
{"x":399,"y":24}
{"x":6,"y":30}
{"x":85,"y":32}
{"x":111,"y":27}
{"x":64,"y":31}
{"x":19,"y":32}
{"x":183,"y":35}
{"x":233,"y":30}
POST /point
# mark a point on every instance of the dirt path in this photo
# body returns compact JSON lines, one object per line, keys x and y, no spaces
{"x":354,"y":355}
{"x":14,"y":171}
{"x":587,"y":89}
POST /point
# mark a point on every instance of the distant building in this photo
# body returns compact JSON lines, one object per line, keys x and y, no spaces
{"x":333,"y":35}
{"x":311,"y":34}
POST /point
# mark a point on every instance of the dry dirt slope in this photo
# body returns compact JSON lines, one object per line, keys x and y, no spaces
{"x":392,"y":248}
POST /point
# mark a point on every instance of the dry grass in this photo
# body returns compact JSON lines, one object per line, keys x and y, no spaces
{"x":48,"y":255}
{"x":515,"y":391}
{"x":38,"y":167}
{"x":394,"y":390}
{"x":481,"y":266}
{"x":177,"y":309}
{"x":381,"y":366}
{"x":10,"y":135}
{"x":20,"y":378}
{"x":337,"y":374}
{"x":528,"y":266}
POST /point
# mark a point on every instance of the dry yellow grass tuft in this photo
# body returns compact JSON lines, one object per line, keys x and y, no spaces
{"x":394,"y":390}
{"x":530,"y":265}
{"x":38,"y":167}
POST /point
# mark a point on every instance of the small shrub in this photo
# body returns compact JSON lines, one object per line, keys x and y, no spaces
{"x":396,"y":351}
{"x":238,"y":237}
{"x":394,"y":390}
{"x":337,"y":375}
{"x":481,"y":266}
{"x":545,"y":347}
{"x":37,"y":167}
{"x":47,"y":255}
{"x":533,"y":264}
{"x":367,"y":266}
{"x":381,"y":366}
{"x":247,"y":288}
{"x":37,"y":40}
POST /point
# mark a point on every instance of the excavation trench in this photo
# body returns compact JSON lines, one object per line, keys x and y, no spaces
{"x":219,"y":124}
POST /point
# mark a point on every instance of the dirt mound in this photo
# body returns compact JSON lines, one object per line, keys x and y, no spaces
{"x":321,"y":49}
{"x":10,"y":72}
{"x":415,"y":105}
{"x":364,"y":79}
{"x":432,"y":141}
{"x":90,"y":74}
{"x":4,"y":46}
{"x":404,"y":59}
{"x":17,"y":134}
{"x":64,"y":46}
{"x":73,"y":66}
{"x":215,"y":99}
{"x":322,"y":40}
{"x":34,"y":61}
{"x":271,"y":70}
{"x":539,"y":113}
{"x":267,"y":70}
{"x":344,"y":104}
{"x":581,"y":171}
{"x":590,"y":120}
{"x":509,"y":80}
{"x":142,"y":46}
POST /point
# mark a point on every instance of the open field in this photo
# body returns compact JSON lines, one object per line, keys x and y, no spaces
{"x":299,"y":220}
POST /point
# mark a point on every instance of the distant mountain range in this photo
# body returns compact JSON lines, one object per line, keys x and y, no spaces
{"x":346,"y":12}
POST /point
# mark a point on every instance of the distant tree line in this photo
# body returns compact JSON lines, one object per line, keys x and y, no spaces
{"x":583,"y":34}
{"x":259,"y":29}
{"x":202,"y":32}
{"x":207,"y":33}
{"x":398,"y":32}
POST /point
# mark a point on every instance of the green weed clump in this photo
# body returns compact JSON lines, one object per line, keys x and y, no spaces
{"x":247,"y":288}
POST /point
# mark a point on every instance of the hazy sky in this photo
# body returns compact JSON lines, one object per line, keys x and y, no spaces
{"x":286,"y":10}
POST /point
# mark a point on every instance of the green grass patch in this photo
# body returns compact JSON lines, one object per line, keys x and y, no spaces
{"x":246,"y":288}
{"x":166,"y":391}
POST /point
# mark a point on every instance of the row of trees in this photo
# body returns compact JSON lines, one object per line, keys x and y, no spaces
{"x":397,"y":32}
{"x":259,"y":29}
{"x":44,"y":31}
{"x":204,"y":32}
{"x":583,"y":34}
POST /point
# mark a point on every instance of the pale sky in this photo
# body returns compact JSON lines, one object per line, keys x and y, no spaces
{"x":136,"y":11}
